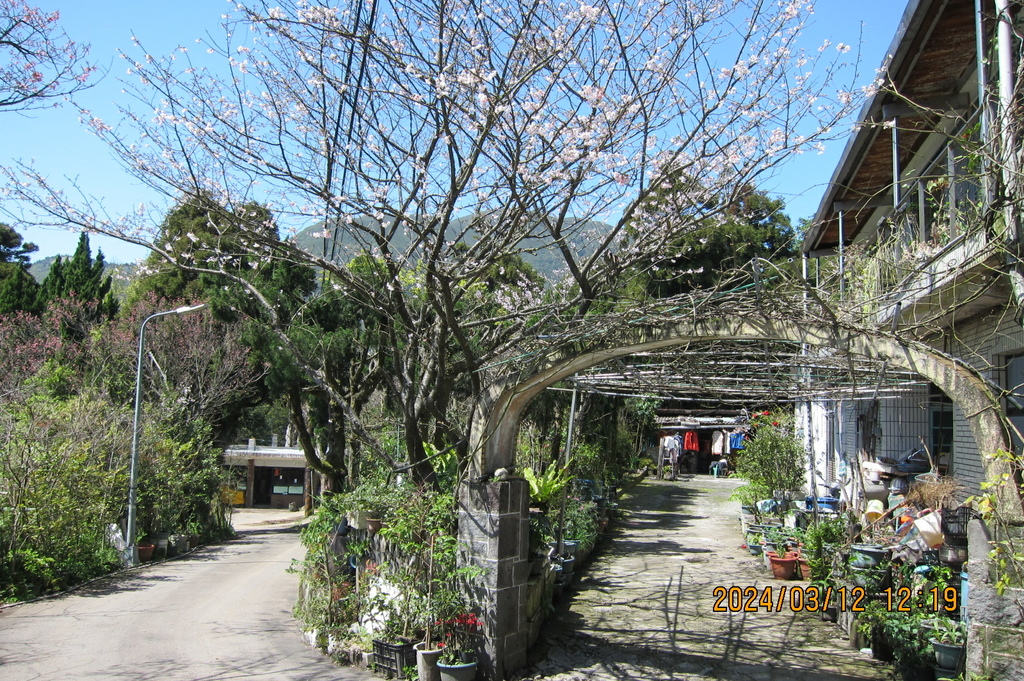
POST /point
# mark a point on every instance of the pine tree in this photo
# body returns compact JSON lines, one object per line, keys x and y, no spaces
{"x":81,"y":277}
{"x":18,"y":288}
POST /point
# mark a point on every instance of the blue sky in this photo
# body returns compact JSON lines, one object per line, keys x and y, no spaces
{"x":61,"y":147}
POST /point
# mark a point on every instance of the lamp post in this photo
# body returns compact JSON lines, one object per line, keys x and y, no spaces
{"x":133,"y":474}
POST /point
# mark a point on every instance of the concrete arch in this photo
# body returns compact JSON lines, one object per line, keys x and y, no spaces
{"x":493,"y":514}
{"x":496,"y":419}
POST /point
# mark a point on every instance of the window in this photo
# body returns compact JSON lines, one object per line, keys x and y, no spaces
{"x":1015,"y":396}
{"x":288,"y":480}
{"x":941,"y":432}
{"x":1015,"y":386}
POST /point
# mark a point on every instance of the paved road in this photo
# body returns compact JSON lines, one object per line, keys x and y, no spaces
{"x":643,"y":607}
{"x":221,"y":613}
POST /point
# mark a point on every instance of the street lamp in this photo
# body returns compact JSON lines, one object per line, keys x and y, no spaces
{"x":133,"y":474}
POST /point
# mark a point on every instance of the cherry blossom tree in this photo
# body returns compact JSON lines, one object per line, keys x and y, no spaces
{"x":38,"y":62}
{"x":440,"y":137}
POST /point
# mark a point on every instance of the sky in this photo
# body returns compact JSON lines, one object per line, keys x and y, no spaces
{"x":61,"y":147}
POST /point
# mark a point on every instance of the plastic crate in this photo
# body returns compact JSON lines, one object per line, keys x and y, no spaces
{"x":954,"y":522}
{"x":393,"y":658}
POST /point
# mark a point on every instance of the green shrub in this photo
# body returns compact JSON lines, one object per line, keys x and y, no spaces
{"x":774,"y":458}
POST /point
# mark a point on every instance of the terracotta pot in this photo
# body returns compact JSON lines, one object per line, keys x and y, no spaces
{"x":783,"y":568}
{"x":373,"y":525}
{"x":146,"y":552}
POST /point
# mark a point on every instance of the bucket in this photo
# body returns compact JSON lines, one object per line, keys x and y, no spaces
{"x":930,"y":527}
{"x":824,"y":503}
{"x":875,"y":510}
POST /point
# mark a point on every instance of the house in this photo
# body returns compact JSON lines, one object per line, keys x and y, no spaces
{"x":916,"y":228}
{"x":268,"y":476}
{"x":920,"y":230}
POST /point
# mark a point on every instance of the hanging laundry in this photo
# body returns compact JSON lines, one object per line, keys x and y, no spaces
{"x":690,"y":441}
{"x":718,"y":443}
{"x":736,"y":440}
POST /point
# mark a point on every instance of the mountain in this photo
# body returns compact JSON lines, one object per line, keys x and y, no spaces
{"x":545,"y":259}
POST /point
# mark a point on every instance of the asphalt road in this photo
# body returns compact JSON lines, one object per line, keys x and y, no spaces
{"x":223,"y":612}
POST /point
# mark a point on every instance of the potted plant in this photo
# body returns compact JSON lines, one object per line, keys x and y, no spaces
{"x":948,"y":638}
{"x":460,"y":640}
{"x":540,"y":535}
{"x":545,"y":486}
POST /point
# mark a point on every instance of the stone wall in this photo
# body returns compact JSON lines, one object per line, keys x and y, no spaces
{"x":995,"y":643}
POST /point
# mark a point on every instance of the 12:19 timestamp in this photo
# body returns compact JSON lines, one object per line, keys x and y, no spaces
{"x":905,"y":599}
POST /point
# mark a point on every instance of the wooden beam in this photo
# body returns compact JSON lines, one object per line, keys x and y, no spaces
{"x":853,"y":205}
{"x":958,"y":103}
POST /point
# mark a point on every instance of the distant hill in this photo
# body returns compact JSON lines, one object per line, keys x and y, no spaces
{"x":40,"y":268}
{"x":545,"y":260}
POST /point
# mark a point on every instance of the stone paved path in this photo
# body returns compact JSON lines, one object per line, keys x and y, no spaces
{"x":642,"y":609}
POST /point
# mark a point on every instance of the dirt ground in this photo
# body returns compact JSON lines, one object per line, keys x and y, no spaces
{"x":643,"y":607}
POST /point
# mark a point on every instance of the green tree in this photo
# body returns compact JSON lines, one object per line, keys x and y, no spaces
{"x":750,"y":225}
{"x":774,"y":458}
{"x":81,"y":277}
{"x":18,"y":288}
{"x":12,"y":248}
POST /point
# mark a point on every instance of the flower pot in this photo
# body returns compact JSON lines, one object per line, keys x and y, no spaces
{"x":569,"y":547}
{"x":783,"y":568}
{"x":181,"y":541}
{"x":565,"y":576}
{"x":162,"y":538}
{"x":146,"y":552}
{"x":947,"y":656}
{"x":805,"y":568}
{"x":373,"y":525}
{"x":426,"y":662}
{"x":881,"y":647}
{"x":458,"y":672}
{"x":867,"y":555}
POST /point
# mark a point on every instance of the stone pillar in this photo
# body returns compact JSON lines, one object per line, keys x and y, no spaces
{"x":995,"y":639}
{"x":250,"y":481}
{"x":494,"y":532}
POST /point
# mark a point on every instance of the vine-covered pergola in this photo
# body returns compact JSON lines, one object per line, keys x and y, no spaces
{"x":784,"y":343}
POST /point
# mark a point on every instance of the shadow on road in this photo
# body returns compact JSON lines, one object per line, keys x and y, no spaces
{"x":642,"y":607}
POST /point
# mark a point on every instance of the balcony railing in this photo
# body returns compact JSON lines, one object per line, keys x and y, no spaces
{"x":936,"y":233}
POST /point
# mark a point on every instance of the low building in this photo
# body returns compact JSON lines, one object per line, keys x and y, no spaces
{"x":274,"y":477}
